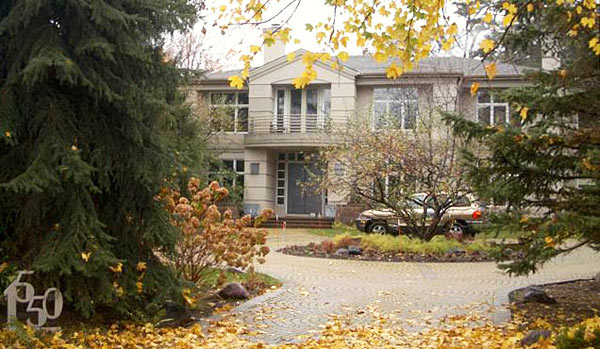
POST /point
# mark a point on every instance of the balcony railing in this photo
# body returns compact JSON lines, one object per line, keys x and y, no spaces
{"x":291,"y":123}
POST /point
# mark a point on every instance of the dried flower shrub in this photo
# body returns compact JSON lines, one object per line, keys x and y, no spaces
{"x":209,"y":238}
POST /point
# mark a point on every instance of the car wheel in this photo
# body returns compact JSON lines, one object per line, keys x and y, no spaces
{"x":457,"y":231}
{"x":378,"y":228}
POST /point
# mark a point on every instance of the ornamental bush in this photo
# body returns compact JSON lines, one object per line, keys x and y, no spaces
{"x":211,"y":238}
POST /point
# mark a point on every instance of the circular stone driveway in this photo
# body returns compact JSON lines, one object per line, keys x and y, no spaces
{"x":416,"y":294}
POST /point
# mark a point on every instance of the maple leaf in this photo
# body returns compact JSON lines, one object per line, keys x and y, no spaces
{"x":117,"y":269}
{"x":236,"y":81}
{"x":487,"y":18}
{"x":291,"y":56}
{"x":3,"y":266}
{"x":141,"y":266}
{"x":86,"y":256}
{"x":487,"y":45}
{"x":490,"y":70}
{"x":474,"y":88}
{"x":343,"y":56}
{"x":7,"y":134}
{"x":523,"y":113}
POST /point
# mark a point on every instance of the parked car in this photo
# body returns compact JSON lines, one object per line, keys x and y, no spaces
{"x":459,"y":219}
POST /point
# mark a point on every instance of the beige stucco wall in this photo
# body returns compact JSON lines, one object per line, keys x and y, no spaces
{"x":259,"y":189}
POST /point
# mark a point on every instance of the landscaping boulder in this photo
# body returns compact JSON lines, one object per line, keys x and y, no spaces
{"x":534,"y":336}
{"x":235,"y":270}
{"x":342,"y":251}
{"x":536,"y":294}
{"x":354,"y":250}
{"x":234,"y":290}
{"x":456,"y":252}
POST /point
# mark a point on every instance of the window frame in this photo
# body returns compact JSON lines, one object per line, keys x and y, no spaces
{"x":491,"y":104}
{"x":236,"y":107}
{"x":283,"y":120}
{"x":404,"y":106}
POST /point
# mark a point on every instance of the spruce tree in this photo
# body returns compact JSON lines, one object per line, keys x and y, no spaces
{"x":89,"y":109}
{"x":546,"y":169}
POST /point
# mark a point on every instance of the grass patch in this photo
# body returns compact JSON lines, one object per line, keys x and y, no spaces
{"x":438,"y":245}
{"x":495,"y":231}
{"x":338,"y":228}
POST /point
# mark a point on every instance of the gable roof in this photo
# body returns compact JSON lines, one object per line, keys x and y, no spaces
{"x":365,"y":65}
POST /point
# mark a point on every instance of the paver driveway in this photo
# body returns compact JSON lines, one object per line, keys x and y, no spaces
{"x":415,"y":293}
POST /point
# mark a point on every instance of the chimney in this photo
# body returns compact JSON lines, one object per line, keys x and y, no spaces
{"x":274,"y":51}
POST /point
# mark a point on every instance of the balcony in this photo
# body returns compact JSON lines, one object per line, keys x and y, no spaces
{"x":292,"y":130}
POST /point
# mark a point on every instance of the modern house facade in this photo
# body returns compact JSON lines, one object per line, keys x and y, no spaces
{"x":274,"y":126}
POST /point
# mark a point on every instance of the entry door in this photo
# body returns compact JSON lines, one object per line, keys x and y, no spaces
{"x":302,"y":199}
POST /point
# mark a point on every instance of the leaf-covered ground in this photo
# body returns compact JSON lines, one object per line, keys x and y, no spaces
{"x":338,"y":332}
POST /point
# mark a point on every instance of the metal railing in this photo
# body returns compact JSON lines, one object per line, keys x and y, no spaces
{"x":290,"y":123}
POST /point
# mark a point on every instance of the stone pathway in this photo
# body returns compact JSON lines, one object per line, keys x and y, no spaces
{"x":416,"y":294}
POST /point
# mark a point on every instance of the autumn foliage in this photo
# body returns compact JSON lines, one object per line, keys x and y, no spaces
{"x":211,"y":238}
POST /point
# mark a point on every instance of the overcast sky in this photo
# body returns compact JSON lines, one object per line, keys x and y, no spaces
{"x":226,"y":48}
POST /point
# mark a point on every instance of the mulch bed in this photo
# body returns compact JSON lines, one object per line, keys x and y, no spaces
{"x":576,"y":301}
{"x":315,"y":250}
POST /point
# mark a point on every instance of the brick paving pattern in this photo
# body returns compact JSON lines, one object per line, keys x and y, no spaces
{"x":416,"y":294}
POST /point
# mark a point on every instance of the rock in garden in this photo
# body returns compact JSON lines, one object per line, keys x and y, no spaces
{"x":534,"y":336}
{"x":234,"y":290}
{"x":342,"y":251}
{"x":235,"y":270}
{"x":536,"y":294}
{"x":456,"y":251}
{"x":354,"y":250}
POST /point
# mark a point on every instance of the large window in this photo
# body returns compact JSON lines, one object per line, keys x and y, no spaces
{"x":230,"y":174}
{"x":305,"y":110}
{"x":491,"y":109}
{"x":229,"y":111}
{"x":396,"y":107}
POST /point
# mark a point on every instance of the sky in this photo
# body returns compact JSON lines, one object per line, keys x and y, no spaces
{"x":226,"y":48}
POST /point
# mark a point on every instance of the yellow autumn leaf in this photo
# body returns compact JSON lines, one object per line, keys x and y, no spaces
{"x":3,"y":266}
{"x":379,"y":57}
{"x":594,"y":44}
{"x":140,"y":286}
{"x":297,"y":41}
{"x":291,"y":56}
{"x":524,"y":219}
{"x":141,"y":266}
{"x":490,"y":70}
{"x":393,"y":71}
{"x":588,"y":22}
{"x":86,"y":256}
{"x":523,"y":113}
{"x":452,"y":29}
{"x":7,"y":134}
{"x":549,"y":241}
{"x":254,"y":49}
{"x":117,"y":269}
{"x":74,"y":147}
{"x":474,"y":88}
{"x":487,"y":45}
{"x":343,"y":56}
{"x":487,"y":18}
{"x":236,"y":81}
{"x":222,"y":8}
{"x":335,"y":65}
{"x":529,"y":7}
{"x":508,"y":19}
{"x":510,"y":8}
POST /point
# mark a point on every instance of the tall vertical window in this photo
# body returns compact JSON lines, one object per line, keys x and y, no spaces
{"x":229,"y":111}
{"x":301,"y":110}
{"x":396,"y":107}
{"x":491,"y":109}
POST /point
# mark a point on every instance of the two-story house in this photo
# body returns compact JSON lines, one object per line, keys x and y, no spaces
{"x":274,"y":126}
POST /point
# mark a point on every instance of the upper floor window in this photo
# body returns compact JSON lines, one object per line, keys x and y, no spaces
{"x":395,"y":107}
{"x":229,"y":111}
{"x":301,"y":110}
{"x":491,"y":109}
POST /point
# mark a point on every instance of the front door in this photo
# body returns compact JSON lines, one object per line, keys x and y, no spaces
{"x":303,"y":198}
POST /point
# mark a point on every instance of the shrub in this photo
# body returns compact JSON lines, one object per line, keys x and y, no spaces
{"x":345,"y":240}
{"x":328,"y":246}
{"x":586,"y":334}
{"x":210,"y":238}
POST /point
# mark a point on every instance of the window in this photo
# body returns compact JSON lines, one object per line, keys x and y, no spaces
{"x":281,"y":183}
{"x":396,"y":107}
{"x":301,"y":110}
{"x":491,"y":109}
{"x":230,"y":174}
{"x":229,"y":111}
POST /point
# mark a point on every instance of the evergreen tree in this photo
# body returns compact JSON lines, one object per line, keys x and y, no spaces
{"x":547,"y":169}
{"x":90,"y":114}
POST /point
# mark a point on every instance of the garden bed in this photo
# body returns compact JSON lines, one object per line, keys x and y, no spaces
{"x":388,"y":248}
{"x":575,"y":301}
